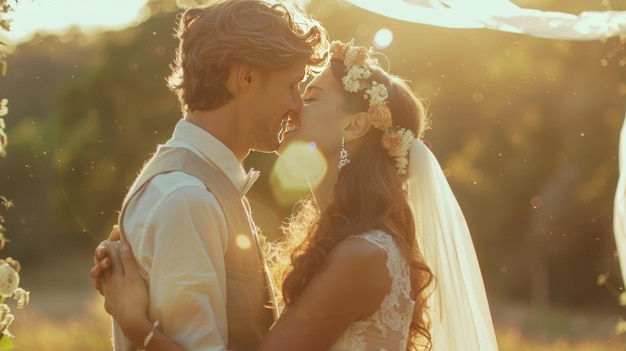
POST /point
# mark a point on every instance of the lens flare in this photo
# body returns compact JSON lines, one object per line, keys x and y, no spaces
{"x":383,"y":38}
{"x":243,"y":242}
{"x":300,"y":167}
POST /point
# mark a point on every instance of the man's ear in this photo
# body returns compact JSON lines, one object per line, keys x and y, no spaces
{"x":240,"y":78}
{"x":358,"y":126}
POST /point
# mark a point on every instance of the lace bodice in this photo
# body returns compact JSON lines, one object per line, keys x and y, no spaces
{"x":388,"y":328}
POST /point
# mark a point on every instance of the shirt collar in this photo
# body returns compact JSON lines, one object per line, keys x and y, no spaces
{"x":208,"y":147}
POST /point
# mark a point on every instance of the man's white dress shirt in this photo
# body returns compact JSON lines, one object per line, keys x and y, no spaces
{"x":179,"y":237}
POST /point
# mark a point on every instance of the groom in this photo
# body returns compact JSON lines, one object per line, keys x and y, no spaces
{"x":236,"y":74}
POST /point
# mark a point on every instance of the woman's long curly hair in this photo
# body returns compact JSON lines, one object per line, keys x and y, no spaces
{"x":369,"y":194}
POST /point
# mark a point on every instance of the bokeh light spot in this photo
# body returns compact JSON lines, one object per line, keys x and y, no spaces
{"x":476,"y":175}
{"x":478,"y":97}
{"x":536,"y":201}
{"x":160,"y":50}
{"x":243,"y":242}
{"x":383,"y":38}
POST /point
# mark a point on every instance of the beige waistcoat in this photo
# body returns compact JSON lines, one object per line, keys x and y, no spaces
{"x":249,"y":296}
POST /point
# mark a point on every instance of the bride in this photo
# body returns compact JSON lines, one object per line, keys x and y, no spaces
{"x":380,"y":254}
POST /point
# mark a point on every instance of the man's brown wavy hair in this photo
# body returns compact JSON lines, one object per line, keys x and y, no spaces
{"x":266,"y":34}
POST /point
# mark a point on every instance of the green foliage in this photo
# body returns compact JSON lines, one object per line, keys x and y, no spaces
{"x":109,"y":121}
{"x":6,"y":204}
{"x":6,"y":343}
{"x":5,"y":8}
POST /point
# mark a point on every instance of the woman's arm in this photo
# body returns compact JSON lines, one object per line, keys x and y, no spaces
{"x":101,"y":259}
{"x":126,"y":300}
{"x":350,"y":288}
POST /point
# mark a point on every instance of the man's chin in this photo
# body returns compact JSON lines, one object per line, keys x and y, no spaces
{"x":280,"y":149}
{"x":283,"y":143}
{"x":267,"y":148}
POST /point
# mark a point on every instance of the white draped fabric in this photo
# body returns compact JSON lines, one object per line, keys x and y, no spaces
{"x":502,"y":15}
{"x":459,"y":310}
{"x":619,"y":209}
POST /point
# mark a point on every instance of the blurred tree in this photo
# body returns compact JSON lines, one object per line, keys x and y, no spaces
{"x":38,"y":70}
{"x":109,"y":122}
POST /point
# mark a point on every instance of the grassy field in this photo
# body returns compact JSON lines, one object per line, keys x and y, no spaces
{"x":67,"y":314}
{"x":89,"y":330}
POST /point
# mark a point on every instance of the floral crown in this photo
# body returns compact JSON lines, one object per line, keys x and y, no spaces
{"x":358,"y":61}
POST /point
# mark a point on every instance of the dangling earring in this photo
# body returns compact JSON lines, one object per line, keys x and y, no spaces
{"x":343,"y":155}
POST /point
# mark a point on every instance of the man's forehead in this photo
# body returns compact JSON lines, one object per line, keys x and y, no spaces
{"x":298,"y":72}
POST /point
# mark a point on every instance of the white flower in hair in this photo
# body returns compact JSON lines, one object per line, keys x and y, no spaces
{"x":352,"y":80}
{"x":401,"y":164}
{"x":397,"y":143}
{"x":350,"y":84}
{"x":358,"y":56}
{"x":358,"y":61}
{"x":377,"y":94}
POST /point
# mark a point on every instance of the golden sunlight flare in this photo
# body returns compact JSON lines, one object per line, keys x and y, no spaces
{"x":298,"y":169}
{"x":243,"y":242}
{"x":87,"y":15}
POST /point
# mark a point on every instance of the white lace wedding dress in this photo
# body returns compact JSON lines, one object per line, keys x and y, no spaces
{"x":388,"y":328}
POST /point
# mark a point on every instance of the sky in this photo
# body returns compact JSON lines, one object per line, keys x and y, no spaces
{"x":56,"y":16}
